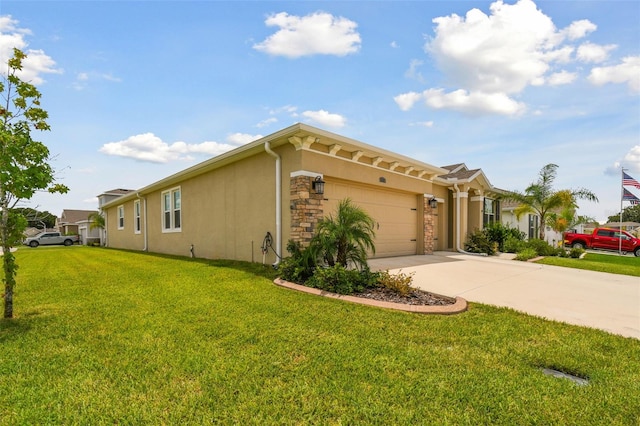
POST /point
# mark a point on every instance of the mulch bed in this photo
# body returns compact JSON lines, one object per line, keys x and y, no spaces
{"x":417,"y":297}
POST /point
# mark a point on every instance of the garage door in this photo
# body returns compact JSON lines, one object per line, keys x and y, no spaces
{"x":395,"y":215}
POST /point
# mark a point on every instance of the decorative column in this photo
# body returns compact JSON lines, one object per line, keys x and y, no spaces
{"x":306,"y":207}
{"x":429,"y":221}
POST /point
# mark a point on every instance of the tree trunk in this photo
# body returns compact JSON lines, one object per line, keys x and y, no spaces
{"x":8,"y":265}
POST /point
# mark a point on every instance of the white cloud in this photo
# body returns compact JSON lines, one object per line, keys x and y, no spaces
{"x":394,"y":45}
{"x":325,"y":118}
{"x":490,"y":58}
{"x":630,"y":162}
{"x":473,"y":103}
{"x":632,"y":159}
{"x":35,"y":64}
{"x":626,"y":72}
{"x":84,"y":78}
{"x":241,"y":138}
{"x":591,"y":52}
{"x":267,"y":122}
{"x":150,"y":148}
{"x":579,"y":29}
{"x":562,"y":77}
{"x":406,"y":100}
{"x":413,"y":71}
{"x":422,"y":124}
{"x":315,"y":34}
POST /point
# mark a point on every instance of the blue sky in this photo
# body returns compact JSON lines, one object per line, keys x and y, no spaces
{"x":138,"y":90}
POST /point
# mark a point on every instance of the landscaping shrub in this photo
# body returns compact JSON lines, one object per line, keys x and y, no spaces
{"x":514,"y":245}
{"x":500,"y":234}
{"x":541,"y":247}
{"x":299,"y":266}
{"x":526,"y":254}
{"x":399,"y":283}
{"x":479,"y":242}
{"x":338,"y":279}
{"x":575,"y":253}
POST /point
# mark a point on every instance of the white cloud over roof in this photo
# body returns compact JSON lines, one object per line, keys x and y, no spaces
{"x":325,"y":118}
{"x":148,"y":147}
{"x":316,"y":34}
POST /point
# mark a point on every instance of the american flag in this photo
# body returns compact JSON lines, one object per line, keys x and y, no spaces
{"x":629,"y":181}
{"x":628,"y":196}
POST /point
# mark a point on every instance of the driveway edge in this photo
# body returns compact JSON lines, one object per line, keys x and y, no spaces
{"x":459,"y":306}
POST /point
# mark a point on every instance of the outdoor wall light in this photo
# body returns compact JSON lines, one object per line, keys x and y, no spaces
{"x":433,"y":203}
{"x":318,"y":185}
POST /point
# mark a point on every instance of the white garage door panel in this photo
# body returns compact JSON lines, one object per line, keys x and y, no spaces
{"x":394,"y":213}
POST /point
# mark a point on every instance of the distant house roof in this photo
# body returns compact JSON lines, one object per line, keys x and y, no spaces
{"x":118,"y":191}
{"x":74,"y":216}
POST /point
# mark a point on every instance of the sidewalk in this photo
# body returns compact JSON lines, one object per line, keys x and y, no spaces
{"x":595,"y":299}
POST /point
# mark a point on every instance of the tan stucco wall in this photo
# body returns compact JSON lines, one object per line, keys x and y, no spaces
{"x":226,"y":212}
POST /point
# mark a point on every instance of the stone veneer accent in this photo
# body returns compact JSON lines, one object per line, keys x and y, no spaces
{"x":306,"y":209}
{"x":429,"y":221}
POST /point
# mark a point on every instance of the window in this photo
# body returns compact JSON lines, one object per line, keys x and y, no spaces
{"x":136,"y":217}
{"x":491,"y":212}
{"x":534,"y":226}
{"x":120,"y":217}
{"x":171,"y":210}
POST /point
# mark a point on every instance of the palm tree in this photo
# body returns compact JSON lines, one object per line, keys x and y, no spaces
{"x":97,"y":221}
{"x":540,"y":197}
{"x":566,"y":219}
{"x":346,"y":237}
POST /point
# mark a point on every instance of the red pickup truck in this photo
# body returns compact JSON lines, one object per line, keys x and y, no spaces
{"x":604,"y":239}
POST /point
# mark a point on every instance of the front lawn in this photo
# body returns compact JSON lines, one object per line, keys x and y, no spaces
{"x":105,"y":336}
{"x":614,"y":264}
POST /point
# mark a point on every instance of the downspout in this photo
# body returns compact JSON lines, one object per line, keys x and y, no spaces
{"x":144,"y":218}
{"x":458,"y":248}
{"x":267,"y":148}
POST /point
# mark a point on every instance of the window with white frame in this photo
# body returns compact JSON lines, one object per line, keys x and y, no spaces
{"x":171,"y":210}
{"x":136,"y":217}
{"x":120,"y":217}
{"x":491,"y":211}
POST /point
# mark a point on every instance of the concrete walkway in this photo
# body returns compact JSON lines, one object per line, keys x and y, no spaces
{"x":609,"y":302}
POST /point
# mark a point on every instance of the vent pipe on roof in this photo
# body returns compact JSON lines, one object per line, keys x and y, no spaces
{"x":267,"y":148}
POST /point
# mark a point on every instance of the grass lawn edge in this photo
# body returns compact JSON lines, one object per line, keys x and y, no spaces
{"x":459,"y":306}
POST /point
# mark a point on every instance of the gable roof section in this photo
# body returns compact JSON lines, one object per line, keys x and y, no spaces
{"x":302,"y":137}
{"x":73,"y":216}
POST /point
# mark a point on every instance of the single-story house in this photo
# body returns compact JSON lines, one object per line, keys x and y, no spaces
{"x":77,"y":222}
{"x":276,"y":188}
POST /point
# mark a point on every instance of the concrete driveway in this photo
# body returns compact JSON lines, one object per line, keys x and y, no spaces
{"x":609,"y":302}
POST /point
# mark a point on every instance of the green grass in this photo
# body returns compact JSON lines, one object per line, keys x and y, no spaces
{"x":614,"y":264}
{"x":105,"y":336}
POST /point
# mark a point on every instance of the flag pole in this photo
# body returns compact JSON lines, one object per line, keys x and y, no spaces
{"x":621,"y":200}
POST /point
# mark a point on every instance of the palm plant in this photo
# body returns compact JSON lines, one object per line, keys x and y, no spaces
{"x":346,"y":237}
{"x":96,"y":221}
{"x":540,"y":197}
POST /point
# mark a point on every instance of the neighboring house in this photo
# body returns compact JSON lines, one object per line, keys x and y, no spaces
{"x":529,"y":223}
{"x":77,"y":222}
{"x":632,"y":227}
{"x":103,"y":199}
{"x":276,"y":188}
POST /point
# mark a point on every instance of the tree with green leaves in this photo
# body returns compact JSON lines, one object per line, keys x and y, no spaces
{"x":629,"y":214}
{"x":24,"y":163}
{"x":566,"y":218}
{"x":345,"y":237}
{"x":542,"y":199}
